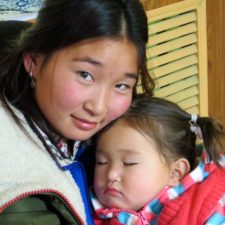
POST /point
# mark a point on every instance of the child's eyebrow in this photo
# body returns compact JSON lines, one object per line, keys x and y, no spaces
{"x":122,"y":150}
{"x":132,"y":152}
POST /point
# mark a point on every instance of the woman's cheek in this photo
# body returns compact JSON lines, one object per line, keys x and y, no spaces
{"x":68,"y":97}
{"x":119,"y":107}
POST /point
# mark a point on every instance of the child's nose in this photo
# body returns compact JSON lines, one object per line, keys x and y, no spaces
{"x":114,"y":173}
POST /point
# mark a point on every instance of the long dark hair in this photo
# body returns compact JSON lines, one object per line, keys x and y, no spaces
{"x":170,"y":128}
{"x":61,"y":23}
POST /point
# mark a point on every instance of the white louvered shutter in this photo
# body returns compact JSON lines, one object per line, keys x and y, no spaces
{"x":177,"y":54}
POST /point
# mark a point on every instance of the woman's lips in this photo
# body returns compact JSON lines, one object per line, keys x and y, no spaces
{"x":84,"y":124}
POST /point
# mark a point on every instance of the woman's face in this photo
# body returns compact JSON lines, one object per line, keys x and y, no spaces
{"x":83,"y":87}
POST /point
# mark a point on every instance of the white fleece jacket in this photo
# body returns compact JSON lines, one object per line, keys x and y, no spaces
{"x":26,"y":167}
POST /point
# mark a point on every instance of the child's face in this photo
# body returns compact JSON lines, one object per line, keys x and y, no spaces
{"x":129,"y":172}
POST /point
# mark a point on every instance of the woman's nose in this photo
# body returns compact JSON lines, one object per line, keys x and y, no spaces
{"x":97,"y":104}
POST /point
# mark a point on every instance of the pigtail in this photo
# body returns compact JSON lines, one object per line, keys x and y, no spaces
{"x":213,"y":136}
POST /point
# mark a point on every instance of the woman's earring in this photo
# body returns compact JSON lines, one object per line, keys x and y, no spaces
{"x":33,"y":83}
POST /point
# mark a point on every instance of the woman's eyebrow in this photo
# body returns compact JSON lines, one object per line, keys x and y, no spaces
{"x":132,"y":75}
{"x":97,"y":63}
{"x":88,"y":60}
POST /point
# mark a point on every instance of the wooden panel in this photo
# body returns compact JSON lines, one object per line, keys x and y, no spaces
{"x":216,"y":58}
{"x":153,"y":4}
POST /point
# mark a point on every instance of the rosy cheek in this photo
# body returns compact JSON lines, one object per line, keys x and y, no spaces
{"x":68,"y":97}
{"x":117,"y":108}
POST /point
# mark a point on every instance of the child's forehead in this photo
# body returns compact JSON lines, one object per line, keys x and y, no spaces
{"x":123,"y":138}
{"x":121,"y":153}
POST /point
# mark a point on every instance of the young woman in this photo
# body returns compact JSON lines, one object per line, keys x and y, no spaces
{"x":150,"y":169}
{"x":71,"y":73}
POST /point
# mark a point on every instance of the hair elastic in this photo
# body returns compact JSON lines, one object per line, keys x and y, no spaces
{"x":194,"y":118}
{"x":195,"y":128}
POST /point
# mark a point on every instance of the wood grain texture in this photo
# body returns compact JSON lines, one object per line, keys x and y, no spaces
{"x":153,"y":4}
{"x":216,"y":57}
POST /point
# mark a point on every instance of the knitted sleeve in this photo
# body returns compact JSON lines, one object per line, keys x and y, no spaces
{"x":218,"y":215}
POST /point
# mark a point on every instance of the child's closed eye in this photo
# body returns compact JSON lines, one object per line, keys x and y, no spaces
{"x":101,"y":162}
{"x":130,"y":163}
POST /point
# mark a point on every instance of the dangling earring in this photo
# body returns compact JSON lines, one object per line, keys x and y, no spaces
{"x":33,"y":83}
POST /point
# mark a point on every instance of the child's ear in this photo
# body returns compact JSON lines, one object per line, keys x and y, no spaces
{"x":179,"y":169}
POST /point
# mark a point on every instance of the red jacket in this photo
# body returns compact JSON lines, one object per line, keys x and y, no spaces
{"x":196,"y":205}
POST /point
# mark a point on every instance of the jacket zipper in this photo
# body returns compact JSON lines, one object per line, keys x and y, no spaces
{"x":65,"y":200}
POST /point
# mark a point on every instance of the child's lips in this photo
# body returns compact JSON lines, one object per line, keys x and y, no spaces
{"x":112,"y":191}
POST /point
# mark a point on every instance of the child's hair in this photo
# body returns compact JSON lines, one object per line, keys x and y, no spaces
{"x":174,"y":130}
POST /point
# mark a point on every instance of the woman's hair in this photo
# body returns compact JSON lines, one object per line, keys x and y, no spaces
{"x":169,"y":127}
{"x":10,"y":30}
{"x":61,"y":23}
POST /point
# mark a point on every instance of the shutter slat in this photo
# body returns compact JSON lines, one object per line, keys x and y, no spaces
{"x":175,"y":87}
{"x":174,"y":66}
{"x":176,"y":76}
{"x":172,"y":34}
{"x":168,"y":23}
{"x":194,"y":109}
{"x":171,"y":56}
{"x":172,"y":45}
{"x":181,"y":95}
{"x":190,"y":102}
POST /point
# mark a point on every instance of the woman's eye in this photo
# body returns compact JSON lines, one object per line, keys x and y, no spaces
{"x":86,"y":76}
{"x":123,"y":86}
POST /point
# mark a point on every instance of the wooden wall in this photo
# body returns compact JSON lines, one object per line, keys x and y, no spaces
{"x":153,"y":4}
{"x":216,"y":52}
{"x":216,"y":57}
